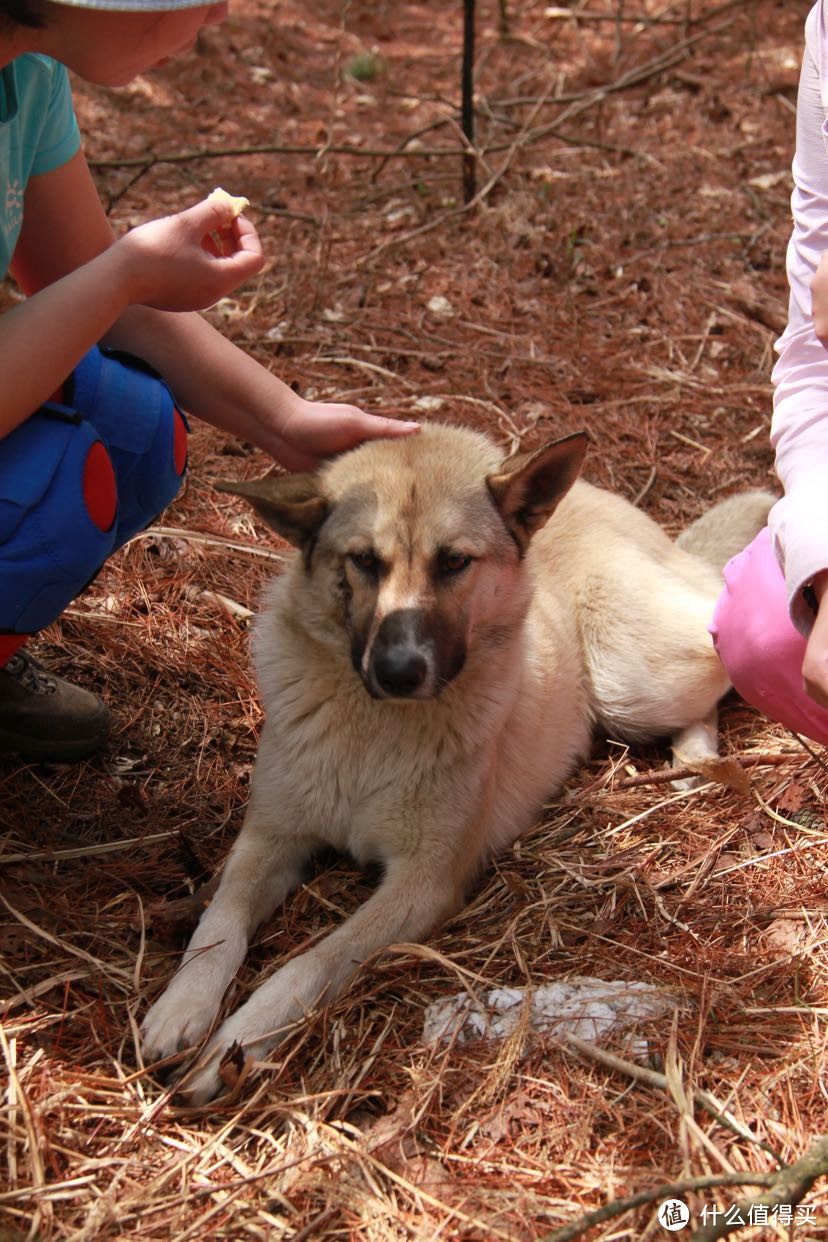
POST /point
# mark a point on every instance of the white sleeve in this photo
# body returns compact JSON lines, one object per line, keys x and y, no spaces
{"x":799,"y":433}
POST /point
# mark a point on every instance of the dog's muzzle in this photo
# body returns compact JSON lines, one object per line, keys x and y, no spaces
{"x":413,"y":656}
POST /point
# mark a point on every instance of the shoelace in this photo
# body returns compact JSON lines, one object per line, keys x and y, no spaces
{"x":29,"y":674}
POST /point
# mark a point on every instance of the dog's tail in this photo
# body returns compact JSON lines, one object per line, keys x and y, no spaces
{"x":727,"y":528}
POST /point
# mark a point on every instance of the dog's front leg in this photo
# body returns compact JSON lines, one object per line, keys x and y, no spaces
{"x":261,"y":870}
{"x":411,"y":900}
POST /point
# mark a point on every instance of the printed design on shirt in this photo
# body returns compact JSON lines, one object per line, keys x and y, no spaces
{"x":13,"y":207}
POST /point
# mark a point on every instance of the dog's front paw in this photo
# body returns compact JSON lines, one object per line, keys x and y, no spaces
{"x":222,"y":1069}
{"x":244,"y":1038}
{"x":223,"y":1066}
{"x":179,"y":1019}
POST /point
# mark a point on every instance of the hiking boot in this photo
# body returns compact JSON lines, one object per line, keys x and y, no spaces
{"x":44,"y":717}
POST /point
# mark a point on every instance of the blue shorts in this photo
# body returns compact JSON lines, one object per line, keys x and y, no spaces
{"x":119,"y":415}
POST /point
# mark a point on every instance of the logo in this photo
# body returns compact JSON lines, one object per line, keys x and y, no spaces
{"x":674,"y":1214}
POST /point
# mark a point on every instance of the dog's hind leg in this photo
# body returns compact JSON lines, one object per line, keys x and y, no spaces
{"x":694,"y":745}
{"x":260,"y":872}
{"x":415,"y":896}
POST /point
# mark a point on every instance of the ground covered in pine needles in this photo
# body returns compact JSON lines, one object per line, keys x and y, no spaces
{"x":621,"y":269}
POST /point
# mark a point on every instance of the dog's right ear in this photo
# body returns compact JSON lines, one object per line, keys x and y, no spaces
{"x":293,"y":504}
{"x":528,"y":487}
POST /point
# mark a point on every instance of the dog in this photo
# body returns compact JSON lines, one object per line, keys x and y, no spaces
{"x":434,"y":663}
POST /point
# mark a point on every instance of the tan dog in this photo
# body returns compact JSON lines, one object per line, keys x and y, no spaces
{"x":434,"y":664}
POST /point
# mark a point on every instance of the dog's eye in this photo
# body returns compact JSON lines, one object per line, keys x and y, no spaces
{"x":366,"y":561}
{"x":454,"y":562}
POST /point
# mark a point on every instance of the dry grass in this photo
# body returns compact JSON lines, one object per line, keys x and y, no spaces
{"x":633,"y":294}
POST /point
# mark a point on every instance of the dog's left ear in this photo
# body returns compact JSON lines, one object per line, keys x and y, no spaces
{"x":293,"y":504}
{"x":529,"y":486}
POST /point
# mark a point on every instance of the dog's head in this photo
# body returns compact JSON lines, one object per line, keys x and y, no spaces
{"x":413,"y":548}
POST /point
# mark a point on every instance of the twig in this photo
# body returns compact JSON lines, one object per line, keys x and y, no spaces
{"x":86,"y":851}
{"x":217,"y":153}
{"x":671,"y":1190}
{"x":805,"y":744}
{"x":654,"y":1079}
{"x":109,"y":971}
{"x":635,"y":76}
{"x":787,"y":1187}
{"x":371,"y":367}
{"x":642,"y":492}
{"x":664,"y":775}
{"x":627,"y":19}
{"x":196,"y":536}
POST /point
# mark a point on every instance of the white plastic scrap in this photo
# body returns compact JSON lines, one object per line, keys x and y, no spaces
{"x":585,"y":1007}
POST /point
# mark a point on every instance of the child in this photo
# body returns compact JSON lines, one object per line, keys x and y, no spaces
{"x":92,"y":441}
{"x":771,"y":621}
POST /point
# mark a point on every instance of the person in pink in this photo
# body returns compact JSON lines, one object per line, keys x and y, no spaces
{"x":770,"y":625}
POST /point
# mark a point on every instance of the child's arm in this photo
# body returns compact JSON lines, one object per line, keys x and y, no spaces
{"x":83,"y":287}
{"x":79,"y":280}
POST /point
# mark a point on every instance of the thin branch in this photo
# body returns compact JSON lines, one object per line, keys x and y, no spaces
{"x":788,"y":1188}
{"x":671,"y":1190}
{"x":626,"y":19}
{"x":523,"y":101}
{"x":641,"y":1074}
{"x":786,"y":1185}
{"x":664,"y":775}
{"x":218,"y":153}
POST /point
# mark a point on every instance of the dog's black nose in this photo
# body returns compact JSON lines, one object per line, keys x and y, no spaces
{"x":400,"y":670}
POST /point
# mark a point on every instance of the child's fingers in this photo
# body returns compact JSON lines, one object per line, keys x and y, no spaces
{"x":237,"y":237}
{"x":246,"y":236}
{"x":377,"y":426}
{"x":208,"y":216}
{"x":211,"y":242}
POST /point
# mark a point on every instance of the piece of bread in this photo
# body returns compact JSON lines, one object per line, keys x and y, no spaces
{"x":222,"y":198}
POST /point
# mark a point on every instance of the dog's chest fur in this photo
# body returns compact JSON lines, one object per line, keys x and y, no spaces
{"x":379,"y":778}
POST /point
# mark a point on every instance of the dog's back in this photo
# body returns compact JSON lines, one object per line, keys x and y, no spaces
{"x":643,"y":603}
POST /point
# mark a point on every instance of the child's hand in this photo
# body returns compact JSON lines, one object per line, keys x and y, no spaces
{"x":313,"y":430}
{"x":819,"y":300}
{"x":175,"y":263}
{"x":815,"y":664}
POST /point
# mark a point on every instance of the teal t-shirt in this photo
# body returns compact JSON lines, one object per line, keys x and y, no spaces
{"x":38,"y":132}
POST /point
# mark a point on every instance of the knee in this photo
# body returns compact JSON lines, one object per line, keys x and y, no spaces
{"x":133,"y":412}
{"x":749,"y":652}
{"x":152,"y":478}
{"x":100,"y":492}
{"x":756,"y":641}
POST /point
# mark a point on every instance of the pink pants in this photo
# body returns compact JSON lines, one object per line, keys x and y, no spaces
{"x":758,"y":644}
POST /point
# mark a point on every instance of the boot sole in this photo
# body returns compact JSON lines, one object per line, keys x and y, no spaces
{"x":67,"y":750}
